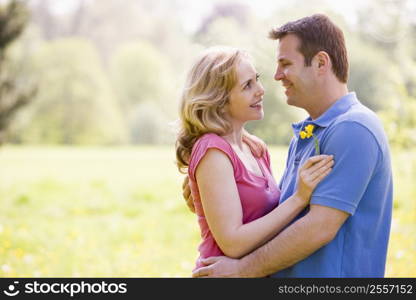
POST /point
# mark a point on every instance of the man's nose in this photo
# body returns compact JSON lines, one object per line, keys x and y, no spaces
{"x":278,"y":75}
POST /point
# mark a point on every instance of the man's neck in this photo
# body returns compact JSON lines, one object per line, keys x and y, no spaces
{"x":325,"y":100}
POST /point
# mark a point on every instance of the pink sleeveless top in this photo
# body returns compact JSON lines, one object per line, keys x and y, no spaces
{"x":258,"y":194}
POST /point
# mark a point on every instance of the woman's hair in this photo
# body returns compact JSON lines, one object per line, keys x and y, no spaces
{"x":204,"y":97}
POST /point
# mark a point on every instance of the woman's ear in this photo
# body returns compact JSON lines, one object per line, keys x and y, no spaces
{"x":224,"y":107}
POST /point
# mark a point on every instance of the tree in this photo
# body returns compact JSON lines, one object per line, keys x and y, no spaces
{"x":74,"y":104}
{"x":367,"y":74}
{"x":15,"y":91}
{"x":106,"y":23}
{"x":141,"y":74}
{"x":392,"y":33}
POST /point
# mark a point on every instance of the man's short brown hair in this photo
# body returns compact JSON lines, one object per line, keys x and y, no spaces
{"x":318,"y":33}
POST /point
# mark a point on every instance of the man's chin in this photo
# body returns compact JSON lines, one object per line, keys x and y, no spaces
{"x":292,"y":102}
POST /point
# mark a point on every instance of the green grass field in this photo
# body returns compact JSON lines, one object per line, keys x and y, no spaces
{"x":118,"y":212}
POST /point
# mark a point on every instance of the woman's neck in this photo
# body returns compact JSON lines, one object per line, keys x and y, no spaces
{"x":235,"y":138}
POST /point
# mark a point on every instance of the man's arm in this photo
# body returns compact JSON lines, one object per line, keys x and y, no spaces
{"x":317,"y":228}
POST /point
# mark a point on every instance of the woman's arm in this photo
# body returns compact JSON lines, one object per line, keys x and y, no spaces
{"x":222,"y":206}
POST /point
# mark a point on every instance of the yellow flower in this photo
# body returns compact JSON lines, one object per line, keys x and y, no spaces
{"x":303,"y":134}
{"x":309,"y":129}
{"x":308,"y":133}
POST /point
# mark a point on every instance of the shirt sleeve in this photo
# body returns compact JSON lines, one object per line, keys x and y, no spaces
{"x":356,"y":153}
{"x":289,"y":151}
{"x":201,"y":147}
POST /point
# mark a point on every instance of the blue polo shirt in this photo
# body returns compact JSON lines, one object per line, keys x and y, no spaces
{"x":359,"y":184}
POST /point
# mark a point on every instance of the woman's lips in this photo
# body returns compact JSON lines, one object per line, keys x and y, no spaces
{"x":258,"y":104}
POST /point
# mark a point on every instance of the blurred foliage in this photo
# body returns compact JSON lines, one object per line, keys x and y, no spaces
{"x":367,"y":76}
{"x":142,"y":80}
{"x":147,"y":125}
{"x":140,"y":72}
{"x":74,"y":103}
{"x":123,"y":82}
{"x":16,"y":89}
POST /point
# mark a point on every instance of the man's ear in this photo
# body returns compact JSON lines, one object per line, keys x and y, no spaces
{"x":323,"y":61}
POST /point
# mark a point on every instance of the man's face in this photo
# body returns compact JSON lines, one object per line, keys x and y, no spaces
{"x":297,"y":79}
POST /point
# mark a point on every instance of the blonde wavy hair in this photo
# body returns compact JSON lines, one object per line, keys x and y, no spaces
{"x":204,"y":99}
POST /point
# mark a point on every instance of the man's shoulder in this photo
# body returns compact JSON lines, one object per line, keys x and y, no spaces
{"x":359,"y":113}
{"x":361,"y":123}
{"x":364,"y":117}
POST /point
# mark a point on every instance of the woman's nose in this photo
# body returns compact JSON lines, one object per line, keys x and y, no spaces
{"x":260,"y":90}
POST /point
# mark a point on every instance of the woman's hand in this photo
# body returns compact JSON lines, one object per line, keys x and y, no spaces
{"x":311,"y":173}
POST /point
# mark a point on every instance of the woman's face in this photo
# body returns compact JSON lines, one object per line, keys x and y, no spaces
{"x":246,"y":97}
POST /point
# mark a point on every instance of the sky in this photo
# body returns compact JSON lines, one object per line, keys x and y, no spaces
{"x":197,"y":9}
{"x":194,"y":11}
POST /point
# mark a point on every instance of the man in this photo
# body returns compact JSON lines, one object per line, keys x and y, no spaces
{"x":345,"y":231}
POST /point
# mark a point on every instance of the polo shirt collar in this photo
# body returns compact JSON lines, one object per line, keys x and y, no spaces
{"x":338,"y":108}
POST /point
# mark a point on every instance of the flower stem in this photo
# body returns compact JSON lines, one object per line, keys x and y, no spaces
{"x":317,"y":151}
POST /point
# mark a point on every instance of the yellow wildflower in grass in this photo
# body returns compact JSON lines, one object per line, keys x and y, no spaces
{"x":18,"y":253}
{"x":307,"y":133}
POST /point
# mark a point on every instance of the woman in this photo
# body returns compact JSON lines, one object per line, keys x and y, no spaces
{"x":235,"y":195}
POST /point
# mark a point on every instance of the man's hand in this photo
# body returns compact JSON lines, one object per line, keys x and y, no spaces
{"x":257,"y":146}
{"x":219,"y":266}
{"x":186,"y":193}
